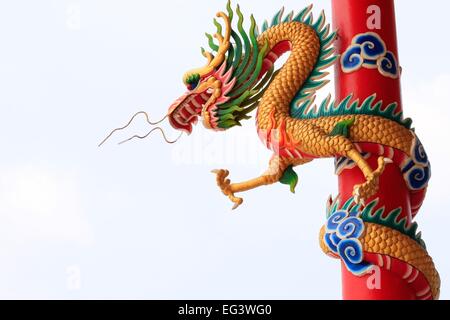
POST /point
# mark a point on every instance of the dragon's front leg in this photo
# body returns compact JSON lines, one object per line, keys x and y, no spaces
{"x":277,"y":168}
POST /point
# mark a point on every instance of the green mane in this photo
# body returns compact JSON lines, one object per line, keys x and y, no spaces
{"x":245,"y":59}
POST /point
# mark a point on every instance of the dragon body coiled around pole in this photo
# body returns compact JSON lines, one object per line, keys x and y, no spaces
{"x":240,"y":77}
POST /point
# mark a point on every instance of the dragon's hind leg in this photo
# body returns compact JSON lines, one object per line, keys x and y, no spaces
{"x":277,"y":168}
{"x":364,"y":191}
{"x":339,"y":143}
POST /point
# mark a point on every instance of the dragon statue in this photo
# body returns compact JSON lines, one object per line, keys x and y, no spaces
{"x":240,"y":77}
{"x":233,"y":84}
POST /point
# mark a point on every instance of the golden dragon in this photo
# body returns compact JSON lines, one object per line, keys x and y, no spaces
{"x":233,"y":84}
{"x":240,"y":77}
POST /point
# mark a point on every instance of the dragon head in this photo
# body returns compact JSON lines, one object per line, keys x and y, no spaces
{"x":207,"y":87}
{"x":220,"y":93}
{"x":230,"y":86}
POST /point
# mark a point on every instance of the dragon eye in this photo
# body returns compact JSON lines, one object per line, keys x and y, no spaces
{"x":192,"y":81}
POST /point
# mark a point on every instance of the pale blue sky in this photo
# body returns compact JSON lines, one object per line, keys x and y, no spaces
{"x":146,"y":220}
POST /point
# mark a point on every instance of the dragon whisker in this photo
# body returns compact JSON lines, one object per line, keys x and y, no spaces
{"x":129,"y":122}
{"x":149,"y":133}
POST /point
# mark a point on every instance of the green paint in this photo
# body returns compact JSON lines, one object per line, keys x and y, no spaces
{"x":242,"y":60}
{"x":245,"y":58}
{"x":305,"y":95}
{"x":367,"y":107}
{"x":343,"y":128}
{"x":379,"y":216}
{"x":254,"y":52}
{"x":193,"y":78}
{"x":391,"y":220}
{"x":290,"y":178}
{"x":211,"y":43}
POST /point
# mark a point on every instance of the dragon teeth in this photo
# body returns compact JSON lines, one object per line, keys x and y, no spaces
{"x":179,"y":120}
{"x":189,"y":109}
{"x":196,"y":104}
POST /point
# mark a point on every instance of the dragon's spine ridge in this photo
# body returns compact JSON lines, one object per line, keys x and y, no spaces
{"x":346,"y":107}
{"x":245,"y":58}
{"x":379,"y":216}
{"x":315,"y":81}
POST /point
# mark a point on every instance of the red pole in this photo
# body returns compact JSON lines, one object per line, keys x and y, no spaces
{"x":363,"y":71}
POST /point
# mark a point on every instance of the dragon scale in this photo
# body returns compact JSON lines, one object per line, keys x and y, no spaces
{"x":312,"y":134}
{"x":240,"y":77}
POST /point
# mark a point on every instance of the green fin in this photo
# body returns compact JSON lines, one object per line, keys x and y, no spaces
{"x":290,"y":178}
{"x":343,"y":128}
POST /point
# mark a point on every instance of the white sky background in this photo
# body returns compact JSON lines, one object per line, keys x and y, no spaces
{"x":146,"y":220}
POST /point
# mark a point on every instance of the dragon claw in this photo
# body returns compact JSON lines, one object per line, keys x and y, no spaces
{"x":226,"y":187}
{"x":237,"y":202}
{"x":364,"y":191}
{"x":357,"y":197}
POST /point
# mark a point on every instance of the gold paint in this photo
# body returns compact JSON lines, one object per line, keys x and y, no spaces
{"x":214,"y":62}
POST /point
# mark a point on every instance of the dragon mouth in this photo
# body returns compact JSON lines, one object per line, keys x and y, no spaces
{"x":185,"y":111}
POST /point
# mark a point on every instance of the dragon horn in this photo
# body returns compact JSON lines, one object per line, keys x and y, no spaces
{"x":224,"y":45}
{"x":208,"y":55}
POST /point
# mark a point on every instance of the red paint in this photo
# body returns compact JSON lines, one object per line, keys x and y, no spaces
{"x":391,"y":287}
{"x":350,"y":18}
{"x":411,"y":279}
{"x":277,"y":51}
{"x":393,"y":192}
